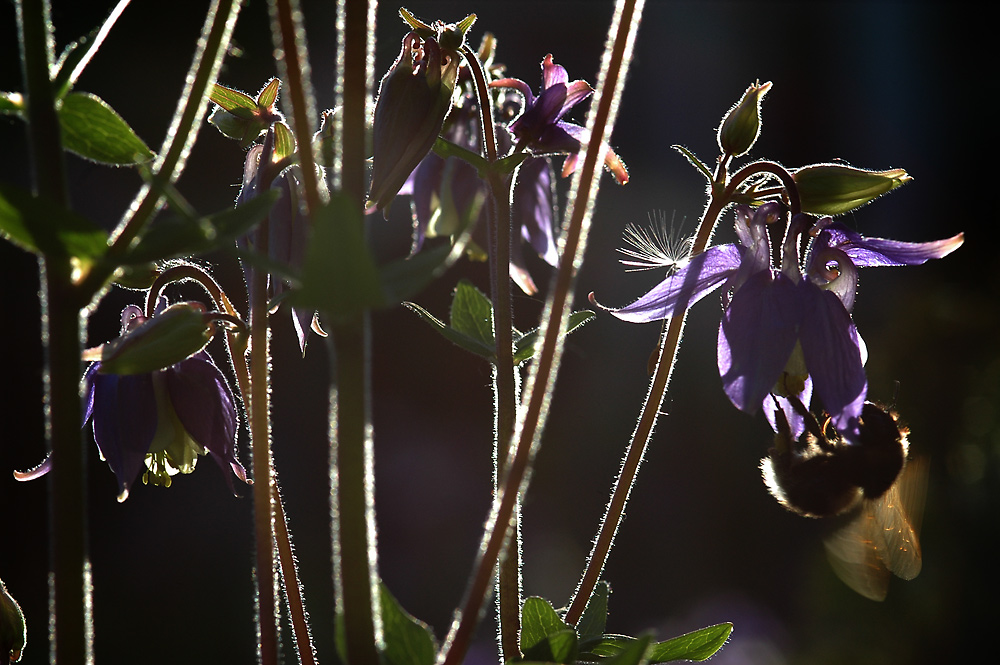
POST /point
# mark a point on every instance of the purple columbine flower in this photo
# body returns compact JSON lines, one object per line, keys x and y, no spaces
{"x":161,"y":421}
{"x":786,"y":332}
{"x":448,"y":195}
{"x":541,"y":128}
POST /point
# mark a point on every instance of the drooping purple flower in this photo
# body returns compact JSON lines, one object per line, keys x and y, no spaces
{"x":287,"y":227}
{"x":541,"y":129}
{"x":161,"y":421}
{"x":786,"y":331}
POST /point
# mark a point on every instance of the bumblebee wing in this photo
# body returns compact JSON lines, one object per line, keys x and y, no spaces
{"x":851,"y":550}
{"x":896,"y":543}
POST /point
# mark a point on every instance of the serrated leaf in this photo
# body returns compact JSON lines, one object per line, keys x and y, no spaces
{"x":472,"y":313}
{"x":460,"y":339}
{"x":340,"y":277}
{"x":179,"y":236}
{"x":538,"y":621}
{"x":284,"y":141}
{"x":592,"y":624}
{"x":268,"y":95}
{"x":408,"y":641}
{"x":42,"y":227}
{"x":92,"y":129}
{"x":524,"y":346}
{"x":230,"y":100}
{"x":697,"y":645}
{"x":559,"y":647}
{"x":11,"y":103}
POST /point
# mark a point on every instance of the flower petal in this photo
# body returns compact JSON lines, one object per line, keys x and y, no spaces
{"x":796,"y":420}
{"x":756,"y":337}
{"x":876,"y":252}
{"x":552,"y":73}
{"x":125,"y":421}
{"x":832,"y":353}
{"x":205,"y":406}
{"x":533,"y":206}
{"x":700,"y":276}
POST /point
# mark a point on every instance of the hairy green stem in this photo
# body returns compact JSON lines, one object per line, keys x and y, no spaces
{"x":541,"y":379}
{"x":352,"y":475}
{"x":723,"y":190}
{"x":70,"y":589}
{"x":498,"y":223}
{"x":169,"y":163}
{"x":290,"y":41}
{"x":260,"y":438}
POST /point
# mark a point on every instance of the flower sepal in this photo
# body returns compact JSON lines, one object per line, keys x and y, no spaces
{"x":836,"y":189}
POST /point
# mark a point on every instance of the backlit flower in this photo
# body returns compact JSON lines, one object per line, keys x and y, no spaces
{"x":161,"y":421}
{"x":786,"y":330}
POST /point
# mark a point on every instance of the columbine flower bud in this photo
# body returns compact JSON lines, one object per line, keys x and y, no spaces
{"x":12,"y":630}
{"x":176,"y":333}
{"x":741,"y":126}
{"x":835,"y":189}
{"x":414,"y":99}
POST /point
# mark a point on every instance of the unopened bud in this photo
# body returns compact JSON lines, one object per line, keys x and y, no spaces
{"x":741,"y":126}
{"x":835,"y":189}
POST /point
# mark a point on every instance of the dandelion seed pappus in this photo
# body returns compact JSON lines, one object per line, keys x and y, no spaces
{"x":657,"y":246}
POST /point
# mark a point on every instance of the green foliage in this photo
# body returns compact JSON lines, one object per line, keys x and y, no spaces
{"x":697,"y":645}
{"x":186,"y":236}
{"x":92,"y":130}
{"x":544,"y":636}
{"x":241,"y":117}
{"x":340,"y":277}
{"x":471,"y":324}
{"x":176,"y":333}
{"x":45,"y":228}
{"x":595,"y":617}
{"x":408,"y":641}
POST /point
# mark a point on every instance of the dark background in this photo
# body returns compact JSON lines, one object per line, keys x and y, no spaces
{"x":880,"y":85}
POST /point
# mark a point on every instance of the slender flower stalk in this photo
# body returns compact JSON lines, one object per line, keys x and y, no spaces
{"x":621,"y":38}
{"x":498,"y":222}
{"x":180,"y":137}
{"x":722,"y":192}
{"x":352,"y":473}
{"x":69,"y":584}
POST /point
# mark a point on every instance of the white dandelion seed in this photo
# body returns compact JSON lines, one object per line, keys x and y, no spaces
{"x":657,"y":246}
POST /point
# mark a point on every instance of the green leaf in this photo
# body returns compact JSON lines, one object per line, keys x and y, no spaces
{"x":524,"y":346}
{"x":559,"y":647}
{"x":408,"y":641}
{"x":42,"y":227}
{"x":694,"y":161}
{"x":592,"y":624}
{"x":11,"y":103}
{"x":232,"y":100}
{"x":460,"y":339}
{"x":340,"y":277}
{"x":538,"y":621}
{"x":634,"y":653}
{"x":176,"y":333}
{"x":697,"y":645}
{"x":185,"y":236}
{"x":472,"y":313}
{"x":94,"y":131}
